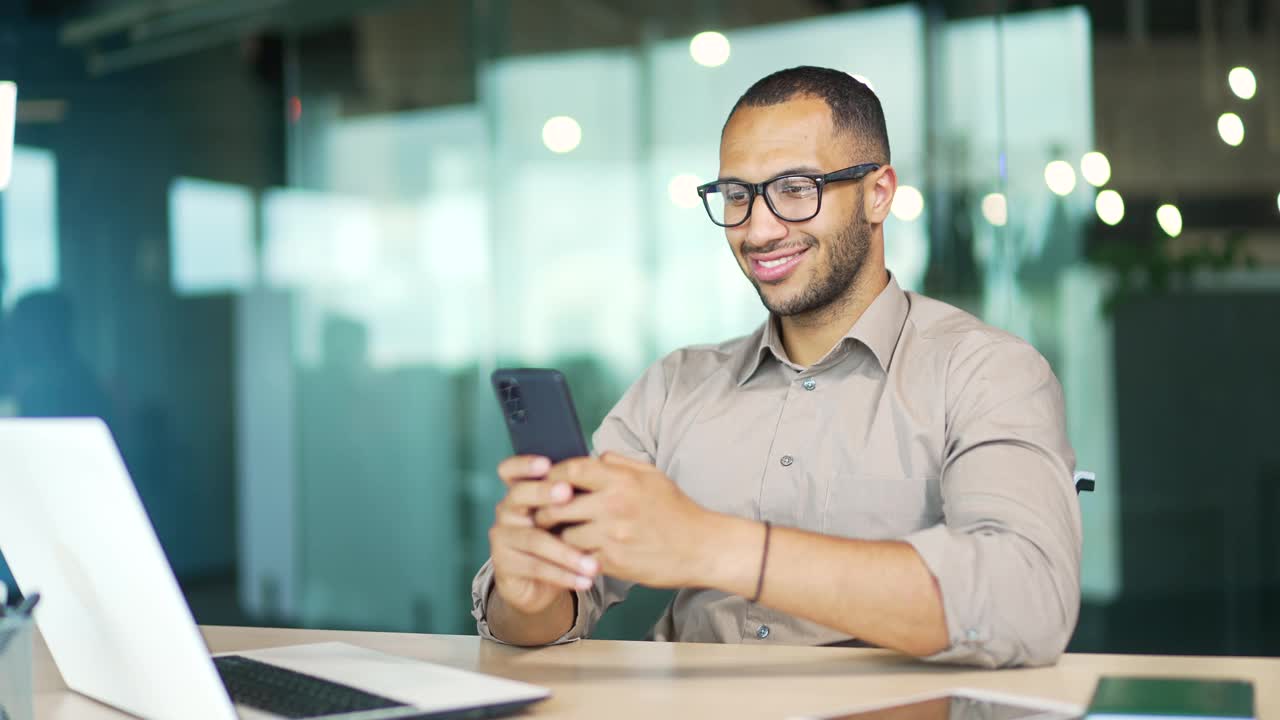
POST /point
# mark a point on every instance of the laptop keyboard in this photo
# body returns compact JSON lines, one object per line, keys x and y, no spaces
{"x":290,"y":694}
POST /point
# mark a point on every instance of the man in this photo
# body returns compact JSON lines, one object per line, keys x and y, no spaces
{"x":870,"y":464}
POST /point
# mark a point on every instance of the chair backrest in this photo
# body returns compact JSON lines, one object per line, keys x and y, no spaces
{"x":1085,"y":481}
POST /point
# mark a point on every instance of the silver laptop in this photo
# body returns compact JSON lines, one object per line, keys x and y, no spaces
{"x":72,"y":528}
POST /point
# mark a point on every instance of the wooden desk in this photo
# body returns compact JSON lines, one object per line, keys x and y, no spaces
{"x":600,"y":678}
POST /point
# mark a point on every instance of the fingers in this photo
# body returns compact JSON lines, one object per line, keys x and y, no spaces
{"x":529,"y":495}
{"x":533,"y":554}
{"x":586,"y":473}
{"x":588,"y":537}
{"x":523,"y":467}
{"x":585,"y":507}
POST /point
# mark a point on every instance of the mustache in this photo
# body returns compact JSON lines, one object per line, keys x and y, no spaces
{"x":806,"y":242}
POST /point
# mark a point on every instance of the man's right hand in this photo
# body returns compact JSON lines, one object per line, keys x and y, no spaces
{"x":532,"y":568}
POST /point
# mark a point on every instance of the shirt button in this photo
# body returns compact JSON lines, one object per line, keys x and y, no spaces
{"x":762,"y":632}
{"x":971,"y":635}
{"x":810,"y":384}
{"x":787,"y":460}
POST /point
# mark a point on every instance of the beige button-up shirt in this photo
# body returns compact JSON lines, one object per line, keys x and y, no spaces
{"x":922,"y":424}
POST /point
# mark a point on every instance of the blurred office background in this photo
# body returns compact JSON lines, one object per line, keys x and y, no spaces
{"x":280,"y":244}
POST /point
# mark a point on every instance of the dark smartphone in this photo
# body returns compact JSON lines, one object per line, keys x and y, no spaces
{"x":539,"y":413}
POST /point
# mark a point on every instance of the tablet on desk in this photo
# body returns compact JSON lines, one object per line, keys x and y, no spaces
{"x":959,"y":704}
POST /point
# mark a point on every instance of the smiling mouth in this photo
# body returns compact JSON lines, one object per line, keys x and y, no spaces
{"x":777,"y":266}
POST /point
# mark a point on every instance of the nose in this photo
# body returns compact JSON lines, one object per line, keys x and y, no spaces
{"x":763,"y":227}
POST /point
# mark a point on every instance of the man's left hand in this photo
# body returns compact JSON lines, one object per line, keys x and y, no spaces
{"x":634,"y":519}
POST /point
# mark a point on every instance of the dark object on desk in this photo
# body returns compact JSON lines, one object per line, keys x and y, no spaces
{"x":290,"y":694}
{"x":15,"y":666}
{"x":960,"y":704}
{"x":1130,"y":698}
{"x":22,"y":611}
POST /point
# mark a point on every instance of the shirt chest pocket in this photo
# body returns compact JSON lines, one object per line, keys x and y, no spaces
{"x":886,"y":484}
{"x":880,"y":506}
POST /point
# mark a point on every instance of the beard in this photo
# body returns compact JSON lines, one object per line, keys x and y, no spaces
{"x":832,"y":282}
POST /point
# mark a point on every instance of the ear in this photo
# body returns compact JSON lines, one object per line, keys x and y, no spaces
{"x":879,"y":198}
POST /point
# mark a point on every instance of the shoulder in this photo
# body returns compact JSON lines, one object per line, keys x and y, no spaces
{"x":979,"y":367}
{"x":693,"y":365}
{"x":956,"y":339}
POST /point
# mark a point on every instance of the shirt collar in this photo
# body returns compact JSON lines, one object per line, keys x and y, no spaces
{"x":878,"y":328}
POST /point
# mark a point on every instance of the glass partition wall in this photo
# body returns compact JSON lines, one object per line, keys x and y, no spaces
{"x":551,"y":220}
{"x":285,"y":270}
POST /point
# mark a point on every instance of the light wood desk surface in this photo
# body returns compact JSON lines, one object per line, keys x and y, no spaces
{"x":666,"y":681}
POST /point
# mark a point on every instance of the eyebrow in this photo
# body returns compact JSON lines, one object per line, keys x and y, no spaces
{"x":797,"y":170}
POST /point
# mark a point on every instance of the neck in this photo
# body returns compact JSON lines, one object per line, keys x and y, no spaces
{"x":808,"y":337}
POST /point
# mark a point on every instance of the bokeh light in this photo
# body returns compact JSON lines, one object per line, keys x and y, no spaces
{"x":908,"y":203}
{"x":1170,"y":220}
{"x":1060,"y":177}
{"x":1110,"y":207}
{"x":995,"y":208}
{"x":1242,"y":82}
{"x":561,"y":134}
{"x":1095,"y":168}
{"x":1231,"y":129}
{"x":709,"y":49}
{"x":683,"y":191}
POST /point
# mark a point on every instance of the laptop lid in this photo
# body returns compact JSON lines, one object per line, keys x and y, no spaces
{"x":72,"y":528}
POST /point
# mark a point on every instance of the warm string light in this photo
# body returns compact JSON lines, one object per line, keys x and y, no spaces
{"x":1170,"y":220}
{"x":1110,"y":207}
{"x":1242,"y":82}
{"x":995,"y":208}
{"x":908,"y":203}
{"x":709,"y":49}
{"x":561,"y":134}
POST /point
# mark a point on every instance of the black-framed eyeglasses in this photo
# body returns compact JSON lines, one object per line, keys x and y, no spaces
{"x":793,"y":198}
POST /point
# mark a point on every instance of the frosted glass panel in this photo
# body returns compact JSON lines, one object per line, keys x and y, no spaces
{"x":211,"y":234}
{"x":30,"y":224}
{"x":424,"y":248}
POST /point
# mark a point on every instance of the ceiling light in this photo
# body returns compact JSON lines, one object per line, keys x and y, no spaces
{"x":908,"y":203}
{"x":709,"y":49}
{"x":1110,"y":207}
{"x":561,"y":134}
{"x":1231,"y":129}
{"x":1170,"y":220}
{"x":1242,"y":82}
{"x":995,"y":208}
{"x":1095,"y":168}
{"x":1060,"y":177}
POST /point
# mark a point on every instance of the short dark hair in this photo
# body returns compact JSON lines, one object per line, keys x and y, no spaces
{"x":854,"y":107}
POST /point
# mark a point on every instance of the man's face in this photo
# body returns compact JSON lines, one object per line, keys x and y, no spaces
{"x":796,"y":267}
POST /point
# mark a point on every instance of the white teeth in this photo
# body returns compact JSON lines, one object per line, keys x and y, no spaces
{"x":777,"y":262}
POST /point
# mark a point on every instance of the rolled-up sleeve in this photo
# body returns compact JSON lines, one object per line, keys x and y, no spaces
{"x":630,"y":429}
{"x":591,"y":604}
{"x":1007,"y":557}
